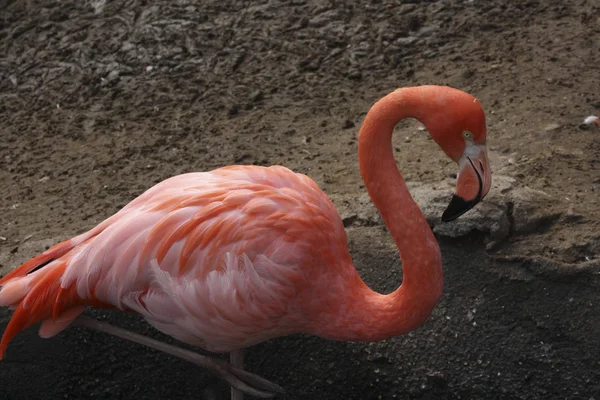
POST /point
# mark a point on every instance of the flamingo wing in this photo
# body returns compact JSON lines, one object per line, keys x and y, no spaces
{"x":215,"y":259}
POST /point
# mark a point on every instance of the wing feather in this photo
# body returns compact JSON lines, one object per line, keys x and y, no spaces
{"x":214,"y":259}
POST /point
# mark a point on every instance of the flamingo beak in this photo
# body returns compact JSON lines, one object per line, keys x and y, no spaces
{"x":473,"y":181}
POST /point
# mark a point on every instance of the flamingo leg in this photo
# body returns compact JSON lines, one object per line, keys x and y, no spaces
{"x":242,"y":381}
{"x":236,"y":359}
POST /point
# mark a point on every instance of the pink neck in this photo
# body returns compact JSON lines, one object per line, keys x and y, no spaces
{"x":368,"y":315}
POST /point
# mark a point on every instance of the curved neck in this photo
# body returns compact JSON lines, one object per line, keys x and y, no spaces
{"x":368,"y":315}
{"x":404,"y":219}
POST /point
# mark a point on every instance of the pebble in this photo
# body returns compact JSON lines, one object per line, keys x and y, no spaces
{"x":426,"y":31}
{"x":257,"y":95}
{"x":552,"y":127}
{"x":113,"y":75}
{"x":406,"y":40}
{"x":127,"y":46}
{"x":335,"y":52}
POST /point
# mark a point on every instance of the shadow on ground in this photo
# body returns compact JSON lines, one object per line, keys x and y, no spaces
{"x":499,"y":332}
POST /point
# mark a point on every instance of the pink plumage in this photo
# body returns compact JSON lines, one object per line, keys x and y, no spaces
{"x":232,"y":257}
{"x":214,"y":259}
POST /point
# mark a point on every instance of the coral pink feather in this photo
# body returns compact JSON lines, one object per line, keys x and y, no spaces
{"x":232,"y":257}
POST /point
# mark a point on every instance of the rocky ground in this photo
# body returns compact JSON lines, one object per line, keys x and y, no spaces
{"x":99,"y":100}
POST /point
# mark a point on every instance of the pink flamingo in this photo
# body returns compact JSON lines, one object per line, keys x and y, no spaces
{"x":229,"y":258}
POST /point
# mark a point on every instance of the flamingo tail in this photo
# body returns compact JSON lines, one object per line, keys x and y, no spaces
{"x":39,"y":261}
{"x":34,"y":291}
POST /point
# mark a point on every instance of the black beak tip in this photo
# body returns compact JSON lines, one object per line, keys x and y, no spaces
{"x":457,"y":207}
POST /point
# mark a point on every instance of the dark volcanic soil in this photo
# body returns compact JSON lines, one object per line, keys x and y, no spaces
{"x":100,"y":100}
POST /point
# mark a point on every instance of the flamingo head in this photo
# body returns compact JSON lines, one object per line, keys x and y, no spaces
{"x":457,"y":124}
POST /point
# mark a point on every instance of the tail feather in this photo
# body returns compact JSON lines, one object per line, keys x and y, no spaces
{"x":51,"y":327}
{"x":40,"y":303}
{"x":55,"y":252}
{"x":11,"y":294}
{"x":41,"y":260}
{"x":34,"y":290}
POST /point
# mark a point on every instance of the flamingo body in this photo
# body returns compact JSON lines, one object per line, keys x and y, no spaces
{"x":215,"y":259}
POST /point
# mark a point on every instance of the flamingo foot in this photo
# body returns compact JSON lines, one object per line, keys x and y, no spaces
{"x":241,"y":381}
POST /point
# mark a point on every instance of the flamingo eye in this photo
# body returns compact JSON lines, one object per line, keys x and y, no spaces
{"x":467,"y":135}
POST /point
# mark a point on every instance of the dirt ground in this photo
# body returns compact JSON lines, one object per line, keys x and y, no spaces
{"x":100,"y":99}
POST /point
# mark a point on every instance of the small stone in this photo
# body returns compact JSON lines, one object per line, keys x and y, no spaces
{"x":335,"y":52}
{"x":426,"y":31}
{"x":551,"y":127}
{"x":470,"y":315}
{"x":257,"y":95}
{"x":406,"y":40}
{"x":127,"y":46}
{"x":113,"y":75}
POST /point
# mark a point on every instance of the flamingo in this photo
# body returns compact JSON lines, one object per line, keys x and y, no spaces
{"x":225,"y":259}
